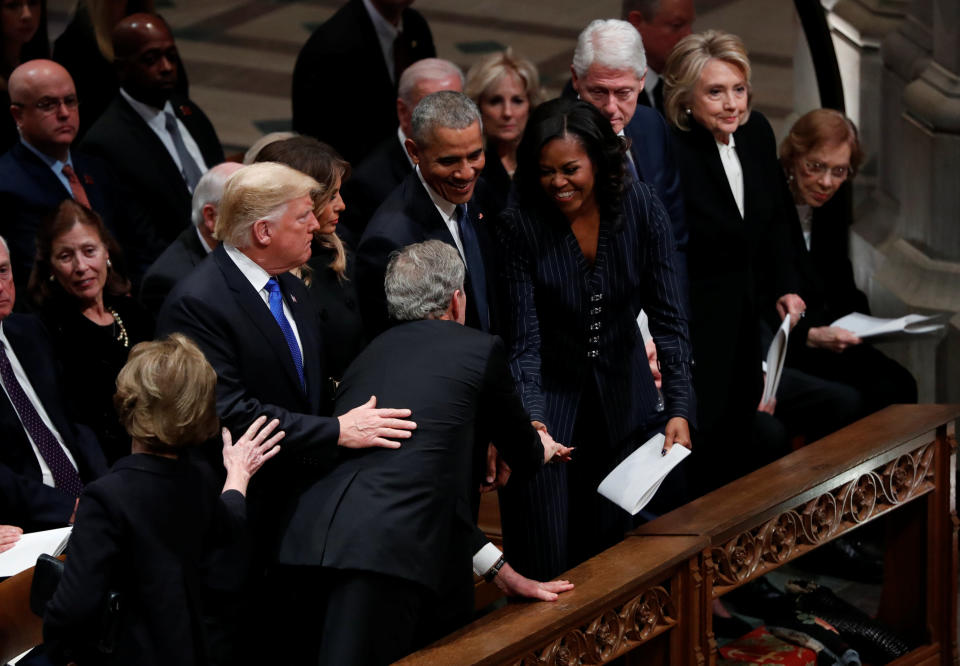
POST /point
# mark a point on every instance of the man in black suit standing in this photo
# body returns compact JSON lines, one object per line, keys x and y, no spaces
{"x":661,"y":24}
{"x":345,"y":79}
{"x":159,"y":142}
{"x":386,"y":167}
{"x":45,"y":458}
{"x":42,"y":169}
{"x":433,"y":202}
{"x":193,"y":244}
{"x":392,"y":530}
{"x":255,"y":323}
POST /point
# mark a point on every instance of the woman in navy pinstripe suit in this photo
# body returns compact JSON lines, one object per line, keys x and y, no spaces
{"x":586,"y":249}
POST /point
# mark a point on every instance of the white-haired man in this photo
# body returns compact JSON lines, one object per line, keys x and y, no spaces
{"x":609,"y":69}
{"x":193,"y":244}
{"x":386,"y":167}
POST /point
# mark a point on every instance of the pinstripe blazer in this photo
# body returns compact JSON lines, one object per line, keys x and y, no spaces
{"x":567,"y":323}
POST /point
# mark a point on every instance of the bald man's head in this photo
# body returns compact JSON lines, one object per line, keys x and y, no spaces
{"x":43,"y":101}
{"x":146,"y":58}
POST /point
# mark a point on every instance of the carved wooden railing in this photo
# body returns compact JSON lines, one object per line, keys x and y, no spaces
{"x":899,"y":464}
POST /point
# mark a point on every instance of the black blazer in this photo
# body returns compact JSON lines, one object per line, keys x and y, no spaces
{"x":342,"y":61}
{"x":143,"y":530}
{"x":372,"y":182}
{"x":737,"y":266}
{"x":217,"y":308}
{"x":176,"y":262}
{"x":567,"y":323}
{"x":407,"y":512}
{"x":29,"y":191}
{"x":409,"y":216}
{"x":24,"y":499}
{"x":142,"y":162}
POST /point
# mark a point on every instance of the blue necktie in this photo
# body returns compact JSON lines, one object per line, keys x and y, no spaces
{"x":65,"y":476}
{"x":276,"y":309}
{"x":478,"y":276}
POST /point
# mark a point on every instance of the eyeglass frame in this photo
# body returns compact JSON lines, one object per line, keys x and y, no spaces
{"x":815,"y":168}
{"x":53,"y":103}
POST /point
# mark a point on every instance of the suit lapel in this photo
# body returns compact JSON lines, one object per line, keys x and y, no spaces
{"x":376,"y":65}
{"x":752,"y":179}
{"x":48,"y":185}
{"x":158,"y":157}
{"x":309,"y":336}
{"x":259,"y":314}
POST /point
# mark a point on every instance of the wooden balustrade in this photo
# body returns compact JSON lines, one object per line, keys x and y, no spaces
{"x":899,"y":463}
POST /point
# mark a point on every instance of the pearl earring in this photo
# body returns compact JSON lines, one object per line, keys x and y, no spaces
{"x":688,"y":111}
{"x":109,"y":265}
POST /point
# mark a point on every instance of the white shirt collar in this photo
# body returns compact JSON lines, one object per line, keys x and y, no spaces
{"x":650,"y":82}
{"x":150,"y":114}
{"x":447,"y":209}
{"x":726,"y":147}
{"x":203,"y":241}
{"x":251,"y":270}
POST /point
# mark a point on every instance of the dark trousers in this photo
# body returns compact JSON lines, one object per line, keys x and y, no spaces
{"x":815,"y":407}
{"x":556,"y":520}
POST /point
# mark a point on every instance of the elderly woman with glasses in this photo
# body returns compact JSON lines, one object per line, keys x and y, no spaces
{"x":820,"y":156}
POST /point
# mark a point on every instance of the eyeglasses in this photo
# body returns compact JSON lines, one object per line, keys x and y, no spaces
{"x":48,"y":105}
{"x":819,"y":169}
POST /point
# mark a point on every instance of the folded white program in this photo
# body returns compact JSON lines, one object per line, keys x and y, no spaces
{"x":634,"y":482}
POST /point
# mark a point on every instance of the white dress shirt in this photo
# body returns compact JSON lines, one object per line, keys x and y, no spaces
{"x":27,"y":387}
{"x":258,"y":278}
{"x":731,"y":167}
{"x":448,"y":211}
{"x":805,"y":213}
{"x":386,"y":35}
{"x":156,"y":121}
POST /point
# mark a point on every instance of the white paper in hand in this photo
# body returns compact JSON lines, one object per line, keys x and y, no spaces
{"x":634,"y":482}
{"x":864,"y":326}
{"x":25,"y":552}
{"x":776,"y":355}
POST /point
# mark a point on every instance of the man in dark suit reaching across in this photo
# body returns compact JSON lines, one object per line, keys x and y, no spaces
{"x":393,"y":530}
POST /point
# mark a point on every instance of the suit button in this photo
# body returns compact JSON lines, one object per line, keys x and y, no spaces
{"x":595,"y":326}
{"x":597,"y":310}
{"x":593,"y":353}
{"x":595,"y":340}
{"x":596,"y":298}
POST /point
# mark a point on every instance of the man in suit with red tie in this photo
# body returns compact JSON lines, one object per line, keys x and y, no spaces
{"x":255,"y":323}
{"x":45,"y":458}
{"x":42,"y":169}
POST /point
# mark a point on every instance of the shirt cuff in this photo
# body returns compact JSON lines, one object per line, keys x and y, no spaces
{"x":485,"y":558}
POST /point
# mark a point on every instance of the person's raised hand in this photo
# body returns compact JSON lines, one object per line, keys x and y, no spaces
{"x":367,"y":426}
{"x":255,"y":447}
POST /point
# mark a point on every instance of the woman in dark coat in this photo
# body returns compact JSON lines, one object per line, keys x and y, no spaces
{"x":819,"y":157}
{"x":586,"y":248}
{"x":738,"y":210}
{"x":145,"y":529}
{"x":84,"y":301}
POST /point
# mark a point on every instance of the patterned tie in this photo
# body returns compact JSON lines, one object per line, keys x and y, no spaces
{"x":65,"y":476}
{"x":475,"y":269}
{"x":276,"y":309}
{"x":631,"y":167}
{"x":191,"y":172}
{"x":79,"y":194}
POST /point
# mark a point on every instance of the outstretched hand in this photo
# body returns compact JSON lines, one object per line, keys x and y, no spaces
{"x":9,"y":536}
{"x":254,"y":448}
{"x":553,"y":450}
{"x":513,"y":584}
{"x":367,"y":426}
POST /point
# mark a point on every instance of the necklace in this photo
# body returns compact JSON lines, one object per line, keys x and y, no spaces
{"x":122,"y":336}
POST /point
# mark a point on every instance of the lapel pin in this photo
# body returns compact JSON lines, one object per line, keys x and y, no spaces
{"x":293,"y":298}
{"x":88,"y":179}
{"x":185,"y":110}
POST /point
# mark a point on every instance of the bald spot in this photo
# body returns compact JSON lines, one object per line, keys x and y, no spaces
{"x":133,"y":31}
{"x":28,"y":79}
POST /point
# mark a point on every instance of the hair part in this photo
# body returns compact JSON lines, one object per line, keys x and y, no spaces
{"x":685,"y":66}
{"x":166,"y":394}
{"x":421,"y":279}
{"x":610,"y":43}
{"x":818,"y":128}
{"x":447,"y":109}
{"x":250,"y":156}
{"x":56,"y":223}
{"x":428,"y":69}
{"x":258,"y":192}
{"x":491,"y":69}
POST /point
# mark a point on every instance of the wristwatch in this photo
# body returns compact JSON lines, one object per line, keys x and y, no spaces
{"x":494,"y":570}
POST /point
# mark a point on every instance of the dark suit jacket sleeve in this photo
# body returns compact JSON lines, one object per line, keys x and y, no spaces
{"x":73,"y":613}
{"x":307,"y":435}
{"x":29,"y":504}
{"x":372,"y":257}
{"x":510,"y":428}
{"x":665,"y":303}
{"x":520,"y":323}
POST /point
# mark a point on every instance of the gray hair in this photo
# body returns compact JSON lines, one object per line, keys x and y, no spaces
{"x":648,"y":8}
{"x":208,"y":191}
{"x":610,"y":43}
{"x":428,"y":69}
{"x":421,"y":279}
{"x":446,"y":108}
{"x":3,"y":241}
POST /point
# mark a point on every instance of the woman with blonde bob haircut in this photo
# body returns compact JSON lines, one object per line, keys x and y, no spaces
{"x":506,"y":88}
{"x":738,"y":210}
{"x":146,"y":529}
